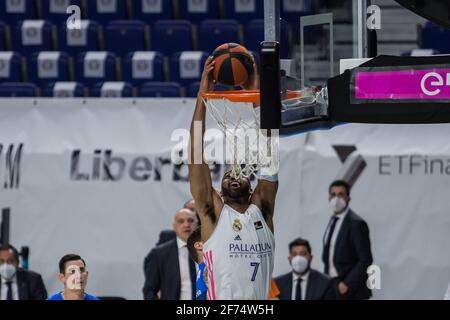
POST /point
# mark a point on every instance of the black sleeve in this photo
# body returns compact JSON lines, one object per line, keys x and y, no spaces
{"x":152,"y":276}
{"x":37,"y":288}
{"x":361,"y":242}
{"x":330,"y":292}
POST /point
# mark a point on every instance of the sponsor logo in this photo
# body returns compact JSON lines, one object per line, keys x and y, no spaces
{"x":105,"y":165}
{"x":250,"y":248}
{"x":353,"y":163}
{"x":258,"y":225}
{"x":436,"y":84}
{"x":237,"y":238}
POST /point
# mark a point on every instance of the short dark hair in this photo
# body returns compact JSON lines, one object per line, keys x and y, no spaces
{"x":300,"y":242}
{"x":185,"y":206}
{"x":340,"y":183}
{"x":195,"y":236}
{"x":67,"y":258}
{"x":7,"y":247}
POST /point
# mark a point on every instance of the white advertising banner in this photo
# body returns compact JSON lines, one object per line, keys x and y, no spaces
{"x":95,"y":177}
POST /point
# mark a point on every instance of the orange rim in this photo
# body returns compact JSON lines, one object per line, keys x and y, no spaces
{"x":246,"y":96}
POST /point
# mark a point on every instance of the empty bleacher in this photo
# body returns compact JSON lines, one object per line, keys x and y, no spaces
{"x":156,"y":48}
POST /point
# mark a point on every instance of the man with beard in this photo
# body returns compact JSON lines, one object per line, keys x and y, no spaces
{"x":237,"y":223}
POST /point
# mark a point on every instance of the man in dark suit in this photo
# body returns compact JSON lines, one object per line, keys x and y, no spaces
{"x":169,"y":271}
{"x":303,"y":283}
{"x":17,"y":283}
{"x":346,"y":253}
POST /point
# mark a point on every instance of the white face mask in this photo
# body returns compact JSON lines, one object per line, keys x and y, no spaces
{"x":300,"y":264}
{"x":7,"y":271}
{"x":338,"y":204}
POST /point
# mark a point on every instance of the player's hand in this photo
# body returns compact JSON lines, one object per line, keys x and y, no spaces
{"x":207,"y":82}
{"x":253,"y":79}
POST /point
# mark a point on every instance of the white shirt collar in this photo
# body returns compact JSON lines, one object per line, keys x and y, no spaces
{"x":342,"y":215}
{"x":181,"y":243}
{"x":304,"y":277}
{"x":13,"y":280}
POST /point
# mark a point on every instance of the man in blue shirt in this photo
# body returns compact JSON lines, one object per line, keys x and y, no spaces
{"x":73,"y":274}
{"x":195,"y":248}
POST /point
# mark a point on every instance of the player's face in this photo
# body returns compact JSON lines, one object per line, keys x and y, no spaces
{"x":235,"y":187}
{"x":75,"y":276}
{"x":184,"y":224}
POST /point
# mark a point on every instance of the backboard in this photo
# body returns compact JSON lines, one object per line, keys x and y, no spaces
{"x":319,"y":35}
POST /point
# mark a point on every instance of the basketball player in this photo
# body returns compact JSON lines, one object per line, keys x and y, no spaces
{"x":236,"y":224}
{"x":195,"y":249}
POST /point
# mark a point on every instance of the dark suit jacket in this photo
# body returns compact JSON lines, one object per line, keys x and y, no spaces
{"x":319,"y":286}
{"x":30,"y":285}
{"x":162,"y":273}
{"x":352,"y":256}
{"x":166,"y":235}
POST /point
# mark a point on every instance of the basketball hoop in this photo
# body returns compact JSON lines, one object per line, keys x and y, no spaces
{"x":250,"y":149}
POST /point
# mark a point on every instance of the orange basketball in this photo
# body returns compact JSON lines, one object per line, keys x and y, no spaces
{"x":233,"y":66}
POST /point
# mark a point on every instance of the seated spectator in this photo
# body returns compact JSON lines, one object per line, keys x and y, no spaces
{"x":74,"y":275}
{"x":303,"y":283}
{"x":17,"y":283}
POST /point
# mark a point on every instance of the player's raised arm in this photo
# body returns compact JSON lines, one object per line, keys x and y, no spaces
{"x":206,"y":199}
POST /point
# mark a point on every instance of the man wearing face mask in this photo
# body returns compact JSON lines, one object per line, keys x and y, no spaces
{"x":346,"y":253}
{"x":303,"y":283}
{"x":17,"y":283}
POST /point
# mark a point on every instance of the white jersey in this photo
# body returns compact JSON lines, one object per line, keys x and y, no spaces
{"x":239,"y":256}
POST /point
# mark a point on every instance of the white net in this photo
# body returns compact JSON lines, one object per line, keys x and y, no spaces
{"x":248,"y":149}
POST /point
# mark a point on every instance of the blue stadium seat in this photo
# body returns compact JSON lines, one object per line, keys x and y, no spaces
{"x":13,"y":11}
{"x":10,"y":66}
{"x":244,"y":10}
{"x":199,"y":10}
{"x":17,"y":89}
{"x":76,"y":41}
{"x":436,"y":37}
{"x":254,"y":35}
{"x":292,"y":10}
{"x":112,"y":90}
{"x":187,"y":67}
{"x":55,"y":10}
{"x":104,"y":11}
{"x":214,"y":33}
{"x":140,"y":67}
{"x":160,"y":89}
{"x":420,"y":53}
{"x":124,"y":36}
{"x":94,"y":67}
{"x":2,"y":36}
{"x":192,"y":90}
{"x":33,"y":35}
{"x":171,"y":36}
{"x":63,"y":90}
{"x":151,"y":11}
{"x":48,"y":66}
